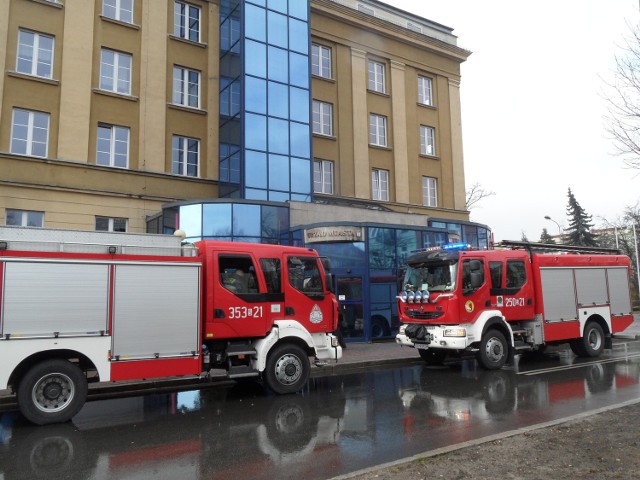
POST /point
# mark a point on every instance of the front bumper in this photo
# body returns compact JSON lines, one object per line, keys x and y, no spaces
{"x":437,"y":339}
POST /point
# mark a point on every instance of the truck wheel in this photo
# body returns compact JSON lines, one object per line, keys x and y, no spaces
{"x":493,"y":350}
{"x":52,"y":392}
{"x":287,"y":369}
{"x":432,"y":357}
{"x":592,"y":342}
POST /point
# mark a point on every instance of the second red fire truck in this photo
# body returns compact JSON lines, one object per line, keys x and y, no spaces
{"x":495,"y":303}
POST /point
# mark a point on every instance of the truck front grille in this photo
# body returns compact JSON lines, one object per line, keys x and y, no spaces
{"x":424,"y":315}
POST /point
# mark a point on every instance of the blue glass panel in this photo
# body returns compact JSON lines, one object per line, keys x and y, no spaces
{"x":278,"y":136}
{"x":278,"y":100}
{"x":278,"y":196}
{"x":300,"y":140}
{"x":277,"y":29}
{"x":406,"y":242}
{"x":299,"y":36}
{"x":299,"y":9}
{"x":256,"y":128}
{"x":256,"y":95}
{"x":343,"y":255}
{"x":278,"y":172}
{"x":253,"y":194}
{"x":256,"y":169}
{"x":299,"y":101}
{"x":255,"y":62}
{"x":299,"y":70}
{"x":275,"y":222}
{"x":300,"y":197}
{"x":190,"y":220}
{"x":246,"y":220}
{"x":279,"y":5}
{"x":382,"y":251}
{"x":262,"y":3}
{"x":278,"y":65}
{"x":300,"y":175}
{"x":216,"y":220}
{"x":255,"y":23}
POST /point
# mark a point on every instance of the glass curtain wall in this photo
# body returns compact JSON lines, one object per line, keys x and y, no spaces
{"x":265,"y":135}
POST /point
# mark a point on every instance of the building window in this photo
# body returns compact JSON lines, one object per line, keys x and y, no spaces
{"x":427,"y":140}
{"x":322,"y":118}
{"x":380,"y":184}
{"x":321,"y":61}
{"x":376,"y":77}
{"x":115,"y":72}
{"x":121,"y":10}
{"x":108,"y":224}
{"x":425,"y":91}
{"x":186,"y":21}
{"x":429,"y":192}
{"x":323,"y":177}
{"x":35,"y":54}
{"x":112,"y":146}
{"x":24,"y":218}
{"x":186,"y":87}
{"x":186,"y":153}
{"x":377,"y":130}
{"x":29,"y":132}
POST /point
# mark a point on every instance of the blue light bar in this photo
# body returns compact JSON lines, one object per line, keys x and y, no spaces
{"x":456,"y":246}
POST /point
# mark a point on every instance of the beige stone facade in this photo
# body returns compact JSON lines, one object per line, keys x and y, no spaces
{"x":71,"y":189}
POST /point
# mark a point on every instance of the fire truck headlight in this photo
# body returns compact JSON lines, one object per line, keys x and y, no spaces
{"x":334,"y":341}
{"x":455,"y":332}
{"x":425,"y":296}
{"x":411,"y":297}
{"x":403,"y":296}
{"x":418,"y":297}
{"x":402,"y":329}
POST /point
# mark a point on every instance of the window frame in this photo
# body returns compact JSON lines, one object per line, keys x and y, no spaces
{"x":111,"y":223}
{"x":35,"y":54}
{"x":184,"y":150}
{"x":378,"y":130}
{"x":379,"y":185}
{"x":181,"y":87}
{"x":322,"y":115}
{"x":326,"y":168}
{"x":113,"y":131}
{"x":119,"y":9}
{"x":24,"y":217}
{"x":428,"y":141}
{"x":117,"y":68}
{"x":181,"y":27}
{"x":429,"y":191}
{"x":425,"y":90}
{"x":30,"y":126}
{"x":376,"y":75}
{"x":321,"y":65}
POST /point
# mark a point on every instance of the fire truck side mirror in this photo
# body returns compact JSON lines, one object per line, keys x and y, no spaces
{"x":329,"y":282}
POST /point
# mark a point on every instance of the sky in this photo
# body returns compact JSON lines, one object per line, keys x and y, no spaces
{"x":533,"y":106}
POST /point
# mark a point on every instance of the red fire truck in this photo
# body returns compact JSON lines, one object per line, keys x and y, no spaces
{"x":495,"y":303}
{"x":80,"y":307}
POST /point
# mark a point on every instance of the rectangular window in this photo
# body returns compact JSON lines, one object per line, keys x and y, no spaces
{"x":108,"y":224}
{"x":323,"y":176}
{"x":516,"y":274}
{"x":115,"y":72}
{"x":322,"y":118}
{"x":377,"y":130}
{"x":186,"y":155}
{"x":321,"y":61}
{"x":186,"y":87}
{"x":29,"y":133}
{"x":121,"y":10}
{"x":24,"y":218}
{"x":427,"y":140}
{"x":380,"y":184}
{"x":429,"y":192}
{"x":35,"y":54}
{"x":186,"y":21}
{"x":112,"y":146}
{"x":376,"y":77}
{"x":425,"y":91}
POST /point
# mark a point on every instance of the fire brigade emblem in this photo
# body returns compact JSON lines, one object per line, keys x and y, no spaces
{"x":316,"y":314}
{"x":469,"y":306}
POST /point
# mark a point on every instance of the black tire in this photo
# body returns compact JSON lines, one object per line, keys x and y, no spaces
{"x":433,"y":356}
{"x":52,"y":392}
{"x":287,"y":369}
{"x":494,"y":350}
{"x":576,"y":347}
{"x":591,"y":343}
{"x":379,"y":328}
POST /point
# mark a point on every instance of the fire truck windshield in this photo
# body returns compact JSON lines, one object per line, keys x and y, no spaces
{"x":433,"y":277}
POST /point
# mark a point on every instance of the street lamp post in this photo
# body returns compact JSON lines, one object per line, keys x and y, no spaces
{"x":547,"y":217}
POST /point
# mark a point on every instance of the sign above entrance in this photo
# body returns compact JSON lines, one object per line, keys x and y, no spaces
{"x":334,"y":234}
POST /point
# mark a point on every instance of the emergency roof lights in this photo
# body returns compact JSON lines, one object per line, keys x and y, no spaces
{"x":448,"y":246}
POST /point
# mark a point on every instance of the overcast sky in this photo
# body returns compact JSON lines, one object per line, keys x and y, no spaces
{"x":533,"y":106}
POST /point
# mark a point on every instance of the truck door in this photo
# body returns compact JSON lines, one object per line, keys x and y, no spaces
{"x":475,"y":289}
{"x":306,"y":297}
{"x":512,"y":288}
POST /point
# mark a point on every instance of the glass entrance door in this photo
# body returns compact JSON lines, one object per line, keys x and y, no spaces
{"x":351,"y":314}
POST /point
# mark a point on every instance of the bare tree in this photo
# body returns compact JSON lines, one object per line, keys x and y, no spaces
{"x":475,"y":194}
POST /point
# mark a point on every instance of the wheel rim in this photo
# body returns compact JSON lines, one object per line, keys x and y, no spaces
{"x":594,"y":339}
{"x":494,"y":350}
{"x":53,"y":392}
{"x":288,"y":369}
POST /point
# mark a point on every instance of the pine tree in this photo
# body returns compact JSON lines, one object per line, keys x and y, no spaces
{"x":545,"y":237}
{"x":579,"y":231}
